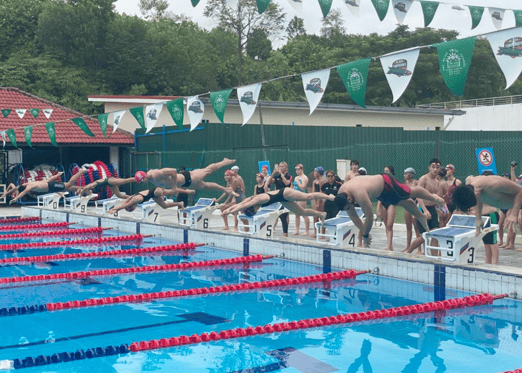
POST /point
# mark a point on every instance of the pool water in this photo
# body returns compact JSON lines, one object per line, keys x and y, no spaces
{"x":482,"y":339}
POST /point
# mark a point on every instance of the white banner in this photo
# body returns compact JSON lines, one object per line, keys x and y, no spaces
{"x":314,"y":85}
{"x":21,"y":112}
{"x":400,"y":8}
{"x":399,"y":68}
{"x":195,"y":109}
{"x":497,"y":16}
{"x":507,"y":47}
{"x":152,"y":113}
{"x":353,"y":6}
{"x":47,"y":112}
{"x":3,"y":137}
{"x":248,"y":97}
{"x":297,"y":5}
{"x":117,"y":116}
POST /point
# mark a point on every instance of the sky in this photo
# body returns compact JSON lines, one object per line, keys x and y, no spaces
{"x":367,"y":22}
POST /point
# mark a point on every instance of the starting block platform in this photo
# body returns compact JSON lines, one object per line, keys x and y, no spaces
{"x":341,"y":231}
{"x":262,"y":222}
{"x":78,"y":203}
{"x":198,"y":216}
{"x":50,"y":200}
{"x":457,"y":241}
{"x":102,"y":206}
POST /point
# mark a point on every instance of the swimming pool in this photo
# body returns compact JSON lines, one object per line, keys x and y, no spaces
{"x":482,"y":339}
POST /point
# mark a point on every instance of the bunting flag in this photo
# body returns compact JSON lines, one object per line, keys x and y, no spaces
{"x":83,"y":126}
{"x":219,"y":102}
{"x":399,"y":68}
{"x":195,"y":109}
{"x":518,"y":17}
{"x":353,"y":6}
{"x":429,"y":8}
{"x":21,"y":112}
{"x":152,"y":114}
{"x":102,"y":120}
{"x":325,"y":5}
{"x":355,"y":77}
{"x":261,"y":5}
{"x":3,"y":137}
{"x":34,"y":112}
{"x":117,"y":116}
{"x":51,"y":132}
{"x":381,"y":7}
{"x":454,"y":60}
{"x":507,"y":47}
{"x":5,"y":112}
{"x":314,"y":84}
{"x":176,"y":111}
{"x":47,"y":112}
{"x":28,"y":134}
{"x":248,"y":97}
{"x":297,"y":5}
{"x":476,"y":15}
{"x":497,"y":16}
{"x":137,"y":113}
{"x":12,"y":137}
{"x":194,"y":2}
{"x":400,"y":8}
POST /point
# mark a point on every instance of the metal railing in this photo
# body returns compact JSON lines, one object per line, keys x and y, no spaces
{"x":490,"y":101}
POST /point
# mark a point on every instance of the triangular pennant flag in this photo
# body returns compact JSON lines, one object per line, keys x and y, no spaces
{"x":83,"y":126}
{"x":297,"y":5}
{"x":47,"y":112}
{"x":195,"y":109}
{"x":117,"y":116}
{"x":248,"y":97}
{"x":177,"y":111}
{"x":399,"y":68}
{"x":381,"y":7}
{"x":51,"y":132}
{"x":262,"y":5}
{"x":219,"y":102}
{"x":137,"y":113}
{"x":103,"y":119}
{"x":476,"y":15}
{"x":518,"y":17}
{"x":454,"y":60}
{"x":152,"y":113}
{"x":355,"y":76}
{"x":34,"y":112}
{"x":400,"y":8}
{"x":12,"y":137}
{"x":353,"y":6}
{"x":21,"y":112}
{"x":314,"y":84}
{"x":429,"y":8}
{"x":325,"y":5}
{"x":507,"y":47}
{"x":28,"y":133}
{"x":194,"y":2}
{"x":5,"y":112}
{"x":3,"y":137}
{"x":497,"y":16}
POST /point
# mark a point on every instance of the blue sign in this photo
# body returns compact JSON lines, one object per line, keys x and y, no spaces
{"x":264,"y":163}
{"x":486,"y":160}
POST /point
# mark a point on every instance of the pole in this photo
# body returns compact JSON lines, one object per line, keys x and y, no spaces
{"x":263,"y":143}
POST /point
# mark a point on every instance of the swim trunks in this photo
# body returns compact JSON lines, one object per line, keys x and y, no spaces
{"x":433,"y":222}
{"x":188,"y":179}
{"x":147,"y":197}
{"x":56,"y":187}
{"x":491,"y":237}
{"x":278,"y":197}
{"x":241,"y":195}
{"x":393,"y":191}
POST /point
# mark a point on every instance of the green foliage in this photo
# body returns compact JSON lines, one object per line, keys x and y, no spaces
{"x":295,"y":28}
{"x":259,"y":47}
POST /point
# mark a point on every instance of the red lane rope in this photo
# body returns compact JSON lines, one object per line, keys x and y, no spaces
{"x":252,"y":286}
{"x":92,"y":241}
{"x":102,"y":254}
{"x":34,"y":226}
{"x":19,"y":220}
{"x":65,"y":232}
{"x":470,"y":301}
{"x":122,"y":271}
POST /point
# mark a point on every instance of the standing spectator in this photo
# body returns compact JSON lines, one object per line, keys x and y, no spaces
{"x":318,"y":183}
{"x":300,"y":184}
{"x":354,"y":167}
{"x":264,"y":172}
{"x":387,"y":213}
{"x":331,"y":187}
{"x":451,"y":184}
{"x":281,"y":179}
{"x":232,"y":182}
{"x":235,"y":170}
{"x":409,"y":179}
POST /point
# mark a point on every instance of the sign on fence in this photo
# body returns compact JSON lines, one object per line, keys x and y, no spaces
{"x":486,"y":160}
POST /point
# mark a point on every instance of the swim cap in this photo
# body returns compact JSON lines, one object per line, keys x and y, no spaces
{"x":341,"y":200}
{"x":235,"y":168}
{"x":320,"y":170}
{"x":139,"y":176}
{"x":264,"y":167}
{"x":450,"y":166}
{"x":362,"y":169}
{"x":299,"y":166}
{"x":229,"y":173}
{"x":410,"y":170}
{"x":130,"y":208}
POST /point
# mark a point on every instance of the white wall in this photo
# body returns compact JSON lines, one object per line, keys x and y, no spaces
{"x":488,"y":118}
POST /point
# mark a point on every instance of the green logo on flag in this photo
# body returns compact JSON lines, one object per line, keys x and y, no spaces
{"x":428,"y":9}
{"x":12,"y":137}
{"x":28,"y":133}
{"x":175,"y":109}
{"x":512,"y":47}
{"x":476,"y":15}
{"x":83,"y":126}
{"x":399,"y":68}
{"x":102,"y":119}
{"x":454,"y":60}
{"x":381,"y":7}
{"x":262,"y":5}
{"x":195,"y":107}
{"x":137,"y":113}
{"x":51,"y":132}
{"x":5,"y":112}
{"x":325,"y":5}
{"x":355,"y":77}
{"x":219,"y":102}
{"x":34,"y":112}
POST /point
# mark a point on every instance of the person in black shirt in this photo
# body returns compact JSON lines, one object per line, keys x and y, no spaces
{"x":331,"y":187}
{"x":281,"y":179}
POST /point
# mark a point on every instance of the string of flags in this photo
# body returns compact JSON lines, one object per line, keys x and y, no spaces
{"x":399,"y":67}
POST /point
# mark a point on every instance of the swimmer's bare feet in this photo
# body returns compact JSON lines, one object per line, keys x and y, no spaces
{"x":322,"y":217}
{"x":233,"y":229}
{"x":295,"y":234}
{"x":389,"y":248}
{"x":305,"y":233}
{"x":225,"y":229}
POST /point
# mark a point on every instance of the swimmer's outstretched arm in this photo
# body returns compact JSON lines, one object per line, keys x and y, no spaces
{"x":131,"y":200}
{"x":27,"y":189}
{"x":10,"y":189}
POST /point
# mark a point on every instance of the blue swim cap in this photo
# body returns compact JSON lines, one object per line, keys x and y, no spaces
{"x":320,"y":169}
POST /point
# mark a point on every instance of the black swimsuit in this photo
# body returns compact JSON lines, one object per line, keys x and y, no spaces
{"x":188,"y":179}
{"x":148,"y":196}
{"x":278,"y":197}
{"x":260,"y":190}
{"x":55,"y":187}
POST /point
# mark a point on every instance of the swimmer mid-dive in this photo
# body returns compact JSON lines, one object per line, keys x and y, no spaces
{"x":157,"y":194}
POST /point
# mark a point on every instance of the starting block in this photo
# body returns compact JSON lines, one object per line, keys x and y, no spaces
{"x":101,"y":206}
{"x":198,"y":216}
{"x":147,"y":212}
{"x":78,"y":203}
{"x":457,"y":241}
{"x":340,"y":230}
{"x":50,"y":200}
{"x":262,"y":222}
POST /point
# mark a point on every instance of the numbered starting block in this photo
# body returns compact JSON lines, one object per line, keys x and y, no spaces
{"x":262,"y":222}
{"x":147,"y":212}
{"x":341,"y":231}
{"x":50,"y":200}
{"x":198,"y":216}
{"x":457,"y":241}
{"x":102,"y":206}
{"x":78,"y":203}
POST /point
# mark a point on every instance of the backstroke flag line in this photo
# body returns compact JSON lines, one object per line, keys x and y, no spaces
{"x":152,"y":113}
{"x":476,"y":15}
{"x":297,"y":5}
{"x":507,"y":48}
{"x":381,"y":7}
{"x":398,"y":69}
{"x":176,"y":109}
{"x":219,"y":102}
{"x":195,"y":109}
{"x":400,"y":8}
{"x":314,"y":85}
{"x":355,"y":77}
{"x":248,"y":97}
{"x":117,"y":116}
{"x":454,"y":59}
{"x":353,"y":6}
{"x":429,"y":8}
{"x":497,"y":16}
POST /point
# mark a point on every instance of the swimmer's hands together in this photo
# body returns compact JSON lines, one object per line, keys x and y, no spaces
{"x":366,"y":240}
{"x":479,"y":224}
{"x":510,"y":224}
{"x":229,"y":190}
{"x":13,"y":201}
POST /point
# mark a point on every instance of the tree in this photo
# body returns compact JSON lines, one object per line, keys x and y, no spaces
{"x":333,"y":23}
{"x":153,"y":9}
{"x":244,"y":20}
{"x":259,"y":47}
{"x":295,"y":28}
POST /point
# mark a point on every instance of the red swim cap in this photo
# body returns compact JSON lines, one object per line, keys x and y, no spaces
{"x":139,"y":176}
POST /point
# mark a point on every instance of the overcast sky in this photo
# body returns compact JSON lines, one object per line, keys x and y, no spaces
{"x":367,"y":22}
